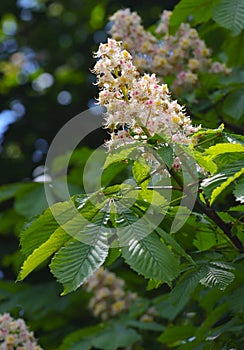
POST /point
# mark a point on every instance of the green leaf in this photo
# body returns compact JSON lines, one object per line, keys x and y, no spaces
{"x":9,"y":191}
{"x":122,"y":337}
{"x":215,"y":185}
{"x":113,"y":255}
{"x":231,"y":47}
{"x":225,"y":159}
{"x":153,"y":197}
{"x":152,"y":284}
{"x":151,"y":258}
{"x":205,"y":162}
{"x":74,"y":263}
{"x":40,"y":254}
{"x":129,"y":225}
{"x":234,"y":104}
{"x":41,"y":229}
{"x":230,"y":14}
{"x":31,"y":200}
{"x":216,"y":277}
{"x":236,"y":299}
{"x":200,"y":10}
{"x":113,"y":173}
{"x":206,"y":238}
{"x":217,"y":191}
{"x":166,"y":154}
{"x":38,"y":232}
{"x":100,"y":336}
{"x":172,"y":335}
{"x":239,"y":191}
{"x":146,"y":326}
{"x":80,"y":337}
{"x":176,"y":247}
{"x":141,"y":171}
{"x":120,"y":154}
{"x":221,"y":148}
{"x":181,"y":293}
{"x":234,"y":138}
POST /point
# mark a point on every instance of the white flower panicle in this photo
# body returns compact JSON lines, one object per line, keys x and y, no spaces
{"x":109,"y":295}
{"x":137,"y":106}
{"x":15,"y":335}
{"x":126,"y":26}
{"x":182,"y":55}
{"x":110,"y":298}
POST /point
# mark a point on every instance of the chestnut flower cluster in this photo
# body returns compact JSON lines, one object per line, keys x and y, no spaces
{"x":137,"y":106}
{"x":110,"y":297}
{"x":182,"y":55}
{"x":14,"y":334}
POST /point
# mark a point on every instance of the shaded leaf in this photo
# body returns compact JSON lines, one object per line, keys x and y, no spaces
{"x":176,"y":247}
{"x":122,"y":337}
{"x":239,"y":191}
{"x":200,"y":10}
{"x":31,"y":200}
{"x":9,"y":191}
{"x":151,"y":258}
{"x":172,"y":335}
{"x":230,"y":14}
{"x":166,"y":154}
{"x":216,"y":277}
{"x":234,"y":104}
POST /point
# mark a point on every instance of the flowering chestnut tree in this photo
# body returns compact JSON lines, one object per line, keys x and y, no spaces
{"x":174,"y":211}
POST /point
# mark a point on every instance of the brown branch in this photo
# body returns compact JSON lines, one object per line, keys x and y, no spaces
{"x":211,"y":214}
{"x":225,"y":227}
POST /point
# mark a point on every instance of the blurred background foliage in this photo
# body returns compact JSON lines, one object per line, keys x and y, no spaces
{"x":45,"y":60}
{"x":46,"y":57}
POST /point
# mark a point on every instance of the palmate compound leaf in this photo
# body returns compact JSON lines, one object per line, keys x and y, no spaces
{"x":74,"y":263}
{"x":151,"y":258}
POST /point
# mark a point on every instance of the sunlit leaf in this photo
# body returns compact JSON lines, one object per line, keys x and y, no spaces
{"x":40,"y":254}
